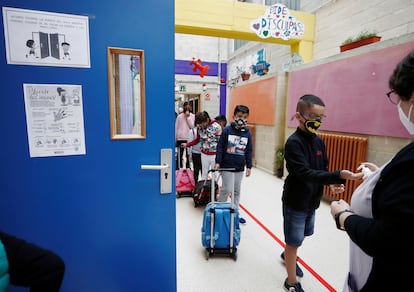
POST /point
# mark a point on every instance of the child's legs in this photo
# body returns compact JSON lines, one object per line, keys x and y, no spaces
{"x":238,"y":176}
{"x":180,"y":152}
{"x":296,"y":225}
{"x":226,"y":187}
{"x":196,"y":165}
{"x":230,"y":179}
{"x":207,"y":162}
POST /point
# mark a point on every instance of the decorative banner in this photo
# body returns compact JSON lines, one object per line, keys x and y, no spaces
{"x":293,"y":61}
{"x":278,"y":23}
{"x":54,"y":117}
{"x":262,"y":67}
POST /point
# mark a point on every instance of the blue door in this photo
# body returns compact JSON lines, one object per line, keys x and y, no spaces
{"x":104,"y":215}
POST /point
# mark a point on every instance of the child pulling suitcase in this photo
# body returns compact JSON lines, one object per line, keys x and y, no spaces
{"x":220,"y":233}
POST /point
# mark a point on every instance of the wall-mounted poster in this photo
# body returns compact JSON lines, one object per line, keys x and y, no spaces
{"x":46,"y":39}
{"x":54,"y":116}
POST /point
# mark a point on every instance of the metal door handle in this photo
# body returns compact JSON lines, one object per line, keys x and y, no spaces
{"x":165,"y":170}
{"x":154,"y":167}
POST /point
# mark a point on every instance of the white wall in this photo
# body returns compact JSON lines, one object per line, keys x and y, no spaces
{"x":208,"y":49}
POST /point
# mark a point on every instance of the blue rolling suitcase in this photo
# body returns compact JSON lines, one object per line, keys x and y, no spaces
{"x":220,"y":219}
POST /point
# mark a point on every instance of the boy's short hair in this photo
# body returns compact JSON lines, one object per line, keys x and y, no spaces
{"x":221,"y":119}
{"x":241,"y":109}
{"x":307,"y":101}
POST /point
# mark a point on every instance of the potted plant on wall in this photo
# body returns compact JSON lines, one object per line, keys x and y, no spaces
{"x":244,"y":73}
{"x":362,"y":39}
{"x":279,"y":161}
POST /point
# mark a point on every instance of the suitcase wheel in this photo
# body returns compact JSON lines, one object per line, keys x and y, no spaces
{"x":209,"y":253}
{"x":234,"y":255}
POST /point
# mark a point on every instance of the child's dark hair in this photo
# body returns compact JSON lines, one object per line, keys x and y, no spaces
{"x":187,"y":106}
{"x":241,"y":109}
{"x":221,"y":119}
{"x":307,"y":101}
{"x":201,"y":117}
{"x":30,"y":43}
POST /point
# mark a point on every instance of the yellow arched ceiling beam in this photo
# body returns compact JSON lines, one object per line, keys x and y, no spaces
{"x":231,"y":19}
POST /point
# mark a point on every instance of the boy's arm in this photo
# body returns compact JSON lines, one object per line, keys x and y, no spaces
{"x":249,"y":150}
{"x":193,"y":142}
{"x":300,"y":167}
{"x":221,"y":146}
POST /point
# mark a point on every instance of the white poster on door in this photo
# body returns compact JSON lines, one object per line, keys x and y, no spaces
{"x":54,"y":117}
{"x":46,"y":39}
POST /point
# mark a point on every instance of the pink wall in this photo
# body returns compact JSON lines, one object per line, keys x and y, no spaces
{"x":353,"y":90}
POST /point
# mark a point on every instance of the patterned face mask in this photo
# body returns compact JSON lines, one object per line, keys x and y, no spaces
{"x":312,"y":126}
{"x":240,"y":122}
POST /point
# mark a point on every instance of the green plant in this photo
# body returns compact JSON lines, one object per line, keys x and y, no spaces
{"x":279,"y":157}
{"x":279,"y":160}
{"x":362,"y":35}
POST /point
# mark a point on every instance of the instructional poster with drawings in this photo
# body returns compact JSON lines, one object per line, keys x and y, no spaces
{"x":47,"y":39}
{"x":54,"y":117}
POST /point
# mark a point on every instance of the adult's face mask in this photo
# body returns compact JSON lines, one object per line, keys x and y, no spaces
{"x":406,"y":120}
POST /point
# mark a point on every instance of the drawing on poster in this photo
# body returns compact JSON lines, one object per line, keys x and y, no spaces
{"x":54,"y":118}
{"x":44,"y":38}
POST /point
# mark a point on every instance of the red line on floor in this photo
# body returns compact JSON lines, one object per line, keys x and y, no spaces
{"x":277,"y":239}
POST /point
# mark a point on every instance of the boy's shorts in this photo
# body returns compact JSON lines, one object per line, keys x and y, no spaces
{"x":297,"y":225}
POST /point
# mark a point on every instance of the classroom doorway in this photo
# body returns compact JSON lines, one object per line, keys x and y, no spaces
{"x":192,"y":98}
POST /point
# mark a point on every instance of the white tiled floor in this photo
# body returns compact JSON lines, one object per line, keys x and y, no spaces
{"x":258,"y":267}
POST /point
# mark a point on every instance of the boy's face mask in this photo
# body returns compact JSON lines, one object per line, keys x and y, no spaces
{"x":240,"y":122}
{"x":313,"y":123}
{"x":312,"y":126}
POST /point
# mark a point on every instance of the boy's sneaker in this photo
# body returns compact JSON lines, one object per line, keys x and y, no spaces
{"x":242,"y":220}
{"x":299,"y":271}
{"x":293,"y":288}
